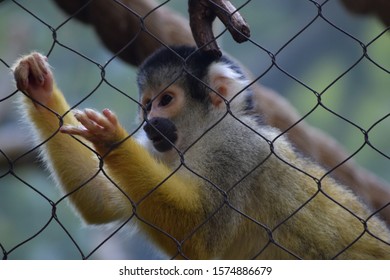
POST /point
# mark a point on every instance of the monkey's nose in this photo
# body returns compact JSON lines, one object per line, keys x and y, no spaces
{"x":162,"y":132}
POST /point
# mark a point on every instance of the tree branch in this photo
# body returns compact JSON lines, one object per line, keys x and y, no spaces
{"x":380,"y":8}
{"x":202,"y":13}
{"x":122,"y":25}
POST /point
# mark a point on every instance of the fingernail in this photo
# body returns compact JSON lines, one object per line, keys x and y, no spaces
{"x":89,"y":111}
{"x":63,"y":128}
{"x":76,"y":112}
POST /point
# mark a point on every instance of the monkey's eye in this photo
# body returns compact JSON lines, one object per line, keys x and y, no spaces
{"x":148,"y":105}
{"x":165,"y":100}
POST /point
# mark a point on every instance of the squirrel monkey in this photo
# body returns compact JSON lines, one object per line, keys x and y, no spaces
{"x":203,"y":178}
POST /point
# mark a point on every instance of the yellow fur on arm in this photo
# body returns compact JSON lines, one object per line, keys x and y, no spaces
{"x":74,"y":165}
{"x":137,"y":172}
{"x":162,"y":197}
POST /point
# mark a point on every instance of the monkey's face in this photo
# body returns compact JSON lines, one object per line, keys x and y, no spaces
{"x":161,"y":109}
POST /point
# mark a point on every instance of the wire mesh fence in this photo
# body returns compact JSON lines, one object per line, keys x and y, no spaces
{"x":57,"y":231}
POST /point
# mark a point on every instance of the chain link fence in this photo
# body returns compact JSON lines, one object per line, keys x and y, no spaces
{"x":36,"y":221}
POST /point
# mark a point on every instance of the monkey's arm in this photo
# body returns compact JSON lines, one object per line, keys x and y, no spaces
{"x":136,"y":174}
{"x":75,"y":166}
{"x":168,"y":200}
{"x":131,"y":164}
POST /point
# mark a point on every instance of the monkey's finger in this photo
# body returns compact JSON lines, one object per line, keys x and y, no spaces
{"x":98,"y":118}
{"x":42,"y":64}
{"x":81,"y":131}
{"x":75,"y":130}
{"x":35,"y":70}
{"x":21,"y":75}
{"x":111,"y":117}
{"x":88,"y":123}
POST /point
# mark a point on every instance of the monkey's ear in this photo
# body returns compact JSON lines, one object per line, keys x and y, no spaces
{"x":225,"y":82}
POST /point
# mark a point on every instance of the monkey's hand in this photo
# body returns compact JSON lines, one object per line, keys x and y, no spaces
{"x":102,"y":129}
{"x":33,"y":76}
